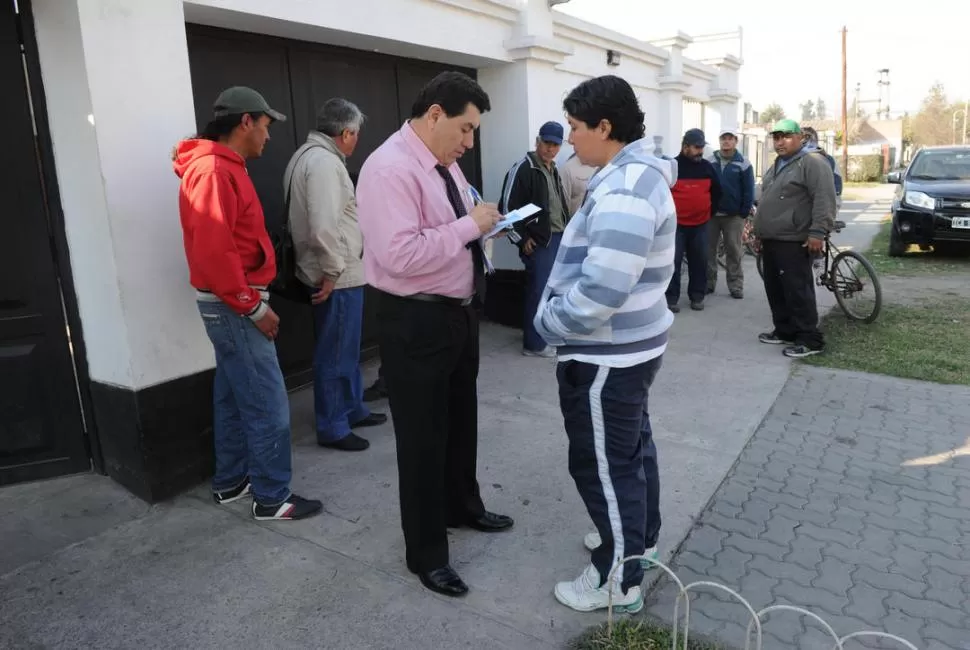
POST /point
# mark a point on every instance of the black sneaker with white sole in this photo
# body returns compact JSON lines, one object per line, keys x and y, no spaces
{"x":232,"y":494}
{"x":295,"y":507}
{"x":770,"y":338}
{"x":801,"y":351}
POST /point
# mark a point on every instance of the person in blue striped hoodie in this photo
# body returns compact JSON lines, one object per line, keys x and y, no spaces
{"x":605,"y":311}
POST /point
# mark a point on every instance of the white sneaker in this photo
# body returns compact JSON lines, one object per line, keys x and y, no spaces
{"x":583,"y":594}
{"x":547,"y":352}
{"x":593,"y":540}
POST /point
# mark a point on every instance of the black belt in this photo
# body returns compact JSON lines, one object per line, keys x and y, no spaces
{"x":433,"y":297}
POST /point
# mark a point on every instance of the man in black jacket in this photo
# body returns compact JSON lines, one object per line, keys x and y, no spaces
{"x":535,"y":179}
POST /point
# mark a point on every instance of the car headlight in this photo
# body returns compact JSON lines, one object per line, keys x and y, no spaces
{"x":919,"y":200}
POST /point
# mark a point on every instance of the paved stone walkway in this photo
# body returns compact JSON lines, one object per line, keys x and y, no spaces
{"x":851,"y":500}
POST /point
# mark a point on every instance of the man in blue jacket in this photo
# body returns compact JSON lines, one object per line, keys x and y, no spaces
{"x":737,"y":196}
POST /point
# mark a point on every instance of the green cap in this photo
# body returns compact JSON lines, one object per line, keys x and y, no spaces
{"x":786,"y":126}
{"x":240,"y":99}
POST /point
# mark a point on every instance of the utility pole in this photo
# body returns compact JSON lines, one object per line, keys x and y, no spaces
{"x":845,"y":110}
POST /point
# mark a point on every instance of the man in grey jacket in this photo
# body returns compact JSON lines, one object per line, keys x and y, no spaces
{"x":328,"y":246}
{"x":796,"y":211}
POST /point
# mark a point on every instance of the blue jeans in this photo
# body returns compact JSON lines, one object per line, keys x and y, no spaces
{"x":537,"y":269}
{"x":338,"y":390}
{"x":251,"y":412}
{"x":692,"y":242}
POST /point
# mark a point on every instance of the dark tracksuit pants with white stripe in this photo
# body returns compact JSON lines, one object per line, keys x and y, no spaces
{"x":612,"y":459}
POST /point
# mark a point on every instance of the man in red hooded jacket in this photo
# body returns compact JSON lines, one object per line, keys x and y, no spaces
{"x":231,"y":262}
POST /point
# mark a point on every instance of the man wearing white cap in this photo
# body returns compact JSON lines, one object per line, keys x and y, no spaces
{"x":737,"y":196}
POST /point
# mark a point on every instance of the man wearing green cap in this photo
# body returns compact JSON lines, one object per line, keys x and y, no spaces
{"x":231,"y":263}
{"x":796,"y":211}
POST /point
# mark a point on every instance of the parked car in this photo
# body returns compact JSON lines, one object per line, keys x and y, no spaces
{"x":932,"y":202}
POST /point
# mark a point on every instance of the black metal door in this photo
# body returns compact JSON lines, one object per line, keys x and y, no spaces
{"x":296,"y":77}
{"x":41,"y":424}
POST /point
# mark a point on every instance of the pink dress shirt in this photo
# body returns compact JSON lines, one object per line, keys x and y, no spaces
{"x":412,"y":241}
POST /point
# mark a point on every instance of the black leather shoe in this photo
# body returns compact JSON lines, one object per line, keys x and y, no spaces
{"x":372,"y":420}
{"x":350,"y":442}
{"x":487,"y":523}
{"x":444,"y":581}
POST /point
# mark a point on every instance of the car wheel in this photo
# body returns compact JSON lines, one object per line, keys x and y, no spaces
{"x":896,"y":245}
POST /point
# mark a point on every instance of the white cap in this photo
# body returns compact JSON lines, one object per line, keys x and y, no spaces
{"x":725,"y":132}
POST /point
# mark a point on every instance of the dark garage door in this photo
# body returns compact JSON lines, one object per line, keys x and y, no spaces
{"x":296,"y":77}
{"x":41,"y":425}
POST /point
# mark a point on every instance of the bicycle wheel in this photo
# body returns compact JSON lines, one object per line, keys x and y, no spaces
{"x":856,"y":286}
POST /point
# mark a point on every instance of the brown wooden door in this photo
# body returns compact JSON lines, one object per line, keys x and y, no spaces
{"x":41,"y":425}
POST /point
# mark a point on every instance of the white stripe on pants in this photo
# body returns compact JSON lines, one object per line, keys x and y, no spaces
{"x":603,"y":469}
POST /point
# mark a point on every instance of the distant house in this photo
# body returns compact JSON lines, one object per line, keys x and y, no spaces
{"x":866,"y":138}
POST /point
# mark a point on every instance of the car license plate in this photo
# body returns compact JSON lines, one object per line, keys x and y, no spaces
{"x":962,"y":223}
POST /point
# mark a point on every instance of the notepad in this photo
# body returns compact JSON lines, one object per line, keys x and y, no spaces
{"x":512,"y":218}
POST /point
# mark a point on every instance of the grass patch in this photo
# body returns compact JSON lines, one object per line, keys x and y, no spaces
{"x":631,"y":634}
{"x":868,"y":184}
{"x":925,"y":340}
{"x":914,"y":262}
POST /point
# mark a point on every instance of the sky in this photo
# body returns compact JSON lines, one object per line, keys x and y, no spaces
{"x":789,"y":59}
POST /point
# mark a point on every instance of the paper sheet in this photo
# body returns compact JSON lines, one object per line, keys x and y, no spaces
{"x":513,"y":218}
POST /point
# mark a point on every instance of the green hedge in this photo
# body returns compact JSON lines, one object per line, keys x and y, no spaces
{"x":863,"y":169}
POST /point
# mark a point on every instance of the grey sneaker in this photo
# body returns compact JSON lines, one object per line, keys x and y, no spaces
{"x":737,"y":294}
{"x":697,"y":305}
{"x":770,"y":338}
{"x":801,"y":351}
{"x":547,"y":352}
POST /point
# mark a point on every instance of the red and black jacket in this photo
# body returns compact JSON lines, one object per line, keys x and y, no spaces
{"x":697,"y":191}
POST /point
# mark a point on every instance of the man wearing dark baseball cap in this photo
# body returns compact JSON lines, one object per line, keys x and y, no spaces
{"x":239,"y":100}
{"x":535,"y":179}
{"x":231,"y":263}
{"x":697,"y":194}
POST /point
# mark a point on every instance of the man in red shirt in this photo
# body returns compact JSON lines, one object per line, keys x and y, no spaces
{"x":697,"y":194}
{"x":231,"y":262}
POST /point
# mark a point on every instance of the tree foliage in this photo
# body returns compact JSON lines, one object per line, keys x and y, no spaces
{"x":772,"y":113}
{"x":939,"y":121}
{"x":808,"y":110}
{"x":821,"y":112}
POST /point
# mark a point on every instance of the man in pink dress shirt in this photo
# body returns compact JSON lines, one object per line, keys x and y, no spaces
{"x":422,"y":231}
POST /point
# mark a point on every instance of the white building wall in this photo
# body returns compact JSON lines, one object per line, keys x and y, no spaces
{"x":119,"y":95}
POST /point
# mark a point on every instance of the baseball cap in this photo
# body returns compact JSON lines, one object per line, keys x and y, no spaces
{"x":695,"y":138}
{"x":786,"y":126}
{"x":551,"y":132}
{"x":240,"y":99}
{"x":728,"y":132}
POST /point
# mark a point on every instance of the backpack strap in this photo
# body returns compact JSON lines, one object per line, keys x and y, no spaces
{"x":289,"y":187}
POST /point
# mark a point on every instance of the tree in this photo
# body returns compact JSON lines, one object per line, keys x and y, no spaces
{"x":934,"y":123}
{"x":808,"y":110}
{"x":772,"y":113}
{"x":820,"y":109}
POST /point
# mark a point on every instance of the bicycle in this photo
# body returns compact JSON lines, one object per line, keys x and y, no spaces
{"x":839,"y":271}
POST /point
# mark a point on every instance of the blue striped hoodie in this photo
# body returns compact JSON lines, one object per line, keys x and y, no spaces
{"x":605,"y":296}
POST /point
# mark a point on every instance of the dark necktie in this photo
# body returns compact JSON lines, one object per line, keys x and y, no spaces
{"x":478,"y":257}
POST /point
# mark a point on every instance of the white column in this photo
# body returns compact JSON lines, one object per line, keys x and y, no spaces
{"x":119,"y":96}
{"x":524,"y":94}
{"x":671,"y":113}
{"x":673,"y":85}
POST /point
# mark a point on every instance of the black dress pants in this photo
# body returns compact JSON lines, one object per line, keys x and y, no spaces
{"x":430,"y":357}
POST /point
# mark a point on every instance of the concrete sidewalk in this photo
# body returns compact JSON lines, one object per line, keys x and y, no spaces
{"x":85,"y":564}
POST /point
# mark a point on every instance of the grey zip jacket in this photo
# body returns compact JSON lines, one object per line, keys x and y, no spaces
{"x":797,"y":199}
